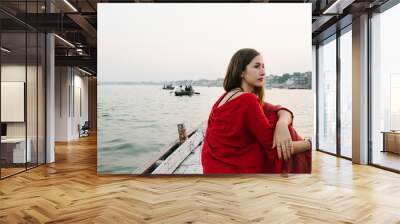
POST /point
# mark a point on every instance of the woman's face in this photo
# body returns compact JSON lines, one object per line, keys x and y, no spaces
{"x":254,"y":74}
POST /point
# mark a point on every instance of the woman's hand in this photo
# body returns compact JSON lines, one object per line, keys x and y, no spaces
{"x":283,"y":140}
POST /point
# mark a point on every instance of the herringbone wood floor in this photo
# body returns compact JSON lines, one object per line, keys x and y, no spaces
{"x":70,"y":191}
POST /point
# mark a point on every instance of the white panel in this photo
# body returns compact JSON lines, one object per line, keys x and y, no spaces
{"x":394,"y":102}
{"x":12,"y":101}
{"x":50,"y":93}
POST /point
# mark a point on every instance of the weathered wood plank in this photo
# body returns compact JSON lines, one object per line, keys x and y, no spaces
{"x":149,"y":165}
{"x":144,"y":169}
{"x":172,"y":162}
{"x":192,"y":163}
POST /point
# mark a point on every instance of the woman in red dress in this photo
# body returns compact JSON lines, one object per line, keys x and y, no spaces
{"x":299,"y":162}
{"x":242,"y":130}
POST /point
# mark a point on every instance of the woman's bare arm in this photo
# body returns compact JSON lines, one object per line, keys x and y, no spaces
{"x":301,"y":146}
{"x":282,"y":139}
{"x":284,"y":117}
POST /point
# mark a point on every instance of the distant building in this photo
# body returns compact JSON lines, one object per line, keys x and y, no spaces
{"x":299,"y":81}
{"x":296,"y":80}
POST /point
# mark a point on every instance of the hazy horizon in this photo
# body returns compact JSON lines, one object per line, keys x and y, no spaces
{"x":188,"y":79}
{"x":161,"y":42}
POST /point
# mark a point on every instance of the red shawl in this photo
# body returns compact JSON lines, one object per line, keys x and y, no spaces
{"x":239,"y":137}
{"x":299,"y":163}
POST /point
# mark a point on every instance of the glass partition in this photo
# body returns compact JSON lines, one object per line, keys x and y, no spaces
{"x":346,"y":93}
{"x":13,"y":95}
{"x":327,"y":96}
{"x":385,"y":89}
{"x":31,"y":100}
{"x":41,"y":109}
{"x":22,"y":77}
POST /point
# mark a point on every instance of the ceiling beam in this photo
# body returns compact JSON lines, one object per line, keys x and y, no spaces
{"x":337,"y":6}
{"x":84,"y":61}
{"x":86,"y":26}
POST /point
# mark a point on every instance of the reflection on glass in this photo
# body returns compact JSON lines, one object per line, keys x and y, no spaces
{"x":22,"y":91}
{"x":13,"y":84}
{"x":394,"y":102}
{"x":31,"y":101}
{"x":386,"y":89}
{"x":327,"y":97}
{"x":41,"y":98}
{"x":346,"y":94}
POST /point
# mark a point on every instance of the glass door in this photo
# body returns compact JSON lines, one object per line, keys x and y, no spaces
{"x":327,"y":96}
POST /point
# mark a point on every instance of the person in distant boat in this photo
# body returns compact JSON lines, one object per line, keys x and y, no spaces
{"x":178,"y":88}
{"x":246,"y":135}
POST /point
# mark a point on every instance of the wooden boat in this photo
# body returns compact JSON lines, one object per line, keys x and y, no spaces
{"x":184,"y":93}
{"x":178,"y":158}
{"x":168,"y":87}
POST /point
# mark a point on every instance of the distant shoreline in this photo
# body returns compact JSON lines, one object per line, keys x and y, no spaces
{"x":296,"y":80}
{"x":157,"y":84}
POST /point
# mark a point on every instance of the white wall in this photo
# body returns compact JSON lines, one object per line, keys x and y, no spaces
{"x":70,"y":83}
{"x":62,"y":81}
{"x":50,"y":94}
{"x":81,"y":89}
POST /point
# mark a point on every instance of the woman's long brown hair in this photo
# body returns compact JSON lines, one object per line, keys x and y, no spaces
{"x":236,"y":66}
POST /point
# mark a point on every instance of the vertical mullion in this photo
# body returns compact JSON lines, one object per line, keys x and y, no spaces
{"x":69,"y":93}
{"x":317,"y":96}
{"x":37,"y":90}
{"x":0,"y":96}
{"x":338,"y":98}
{"x":26,"y":85}
{"x":73,"y":93}
{"x":60,"y":88}
{"x":369,"y":89}
{"x":45,"y":89}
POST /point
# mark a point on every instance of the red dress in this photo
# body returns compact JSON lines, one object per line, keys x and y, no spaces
{"x":239,"y":138}
{"x":300,"y":162}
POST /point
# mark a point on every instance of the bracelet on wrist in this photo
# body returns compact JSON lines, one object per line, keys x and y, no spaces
{"x":309,"y":142}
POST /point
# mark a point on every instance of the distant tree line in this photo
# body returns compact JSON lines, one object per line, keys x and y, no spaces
{"x":296,"y":80}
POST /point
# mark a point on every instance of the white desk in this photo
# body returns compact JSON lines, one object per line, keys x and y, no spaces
{"x":18,"y":149}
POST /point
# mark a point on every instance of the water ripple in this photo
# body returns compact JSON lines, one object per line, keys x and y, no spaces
{"x":136,"y":121}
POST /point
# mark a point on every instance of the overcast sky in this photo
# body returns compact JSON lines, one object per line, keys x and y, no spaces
{"x":158,"y":42}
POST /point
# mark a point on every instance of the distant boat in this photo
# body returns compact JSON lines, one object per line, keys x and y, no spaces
{"x":168,"y":87}
{"x":187,"y":91}
{"x":184,"y":93}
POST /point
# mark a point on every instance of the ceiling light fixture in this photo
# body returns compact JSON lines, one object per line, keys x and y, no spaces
{"x":64,"y":40}
{"x":337,"y":7}
{"x":84,"y":71}
{"x":5,"y":49}
{"x":70,"y":5}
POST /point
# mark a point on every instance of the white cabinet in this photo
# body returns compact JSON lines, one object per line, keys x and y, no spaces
{"x":17,"y":146}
